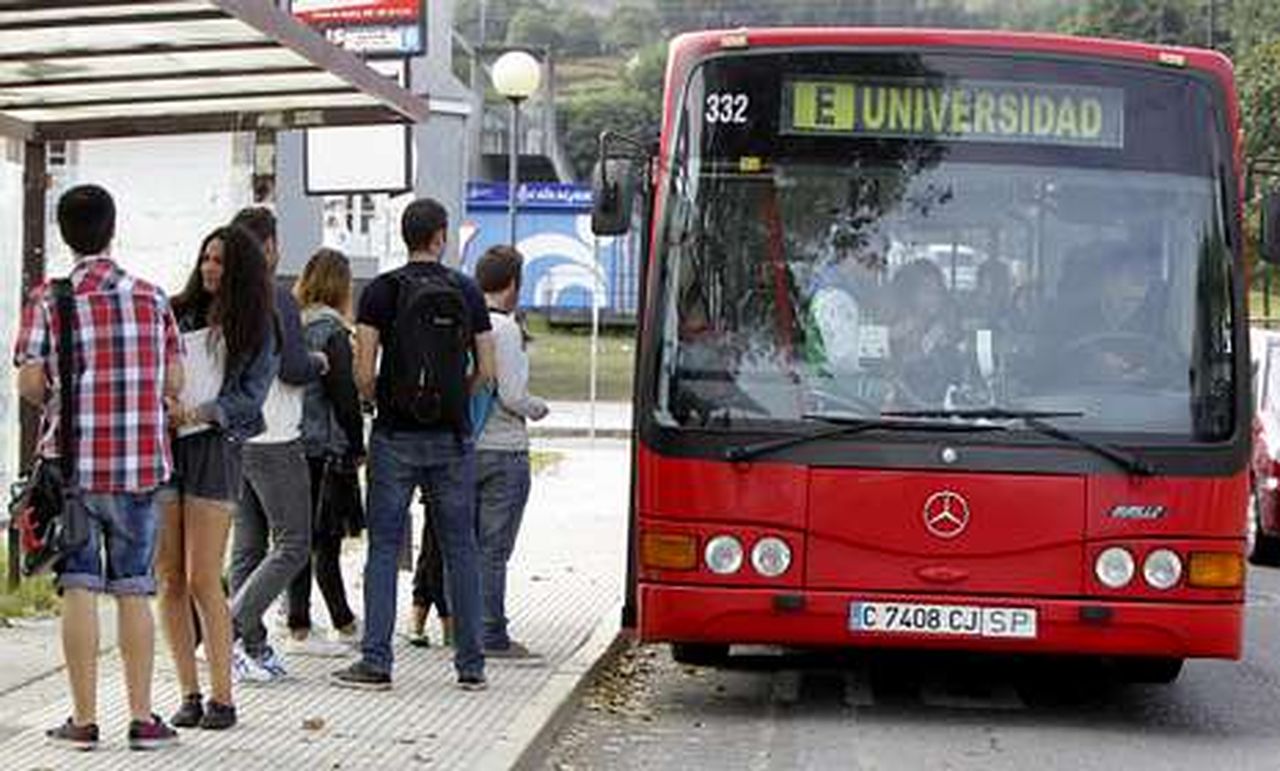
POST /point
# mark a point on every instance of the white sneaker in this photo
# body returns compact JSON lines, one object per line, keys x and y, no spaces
{"x":351,"y":638}
{"x":245,"y":669}
{"x":313,"y":645}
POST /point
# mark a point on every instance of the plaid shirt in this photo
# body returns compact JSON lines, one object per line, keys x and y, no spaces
{"x":125,"y":336}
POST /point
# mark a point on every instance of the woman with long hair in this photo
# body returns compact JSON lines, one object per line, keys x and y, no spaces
{"x":333,"y":439}
{"x":225,"y":315}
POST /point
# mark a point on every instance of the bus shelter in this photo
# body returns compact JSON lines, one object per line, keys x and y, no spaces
{"x":94,"y":69}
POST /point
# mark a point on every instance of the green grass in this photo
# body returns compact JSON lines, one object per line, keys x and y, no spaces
{"x":1257,"y":305}
{"x":544,"y":460}
{"x":559,"y":363}
{"x":33,"y":597}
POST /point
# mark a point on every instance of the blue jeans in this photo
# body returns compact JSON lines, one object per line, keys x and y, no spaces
{"x":399,"y":461}
{"x":123,"y":525}
{"x":502,"y":489}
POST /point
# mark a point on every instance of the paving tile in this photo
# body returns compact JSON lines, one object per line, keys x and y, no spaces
{"x":566,"y":574}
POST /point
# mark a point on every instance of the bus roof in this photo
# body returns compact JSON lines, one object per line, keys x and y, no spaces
{"x":705,"y":42}
{"x":688,"y":48}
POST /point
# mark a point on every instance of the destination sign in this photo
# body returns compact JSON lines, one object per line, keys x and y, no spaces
{"x":955,"y":110}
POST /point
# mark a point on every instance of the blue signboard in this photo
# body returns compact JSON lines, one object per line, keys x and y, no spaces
{"x":564,"y":260}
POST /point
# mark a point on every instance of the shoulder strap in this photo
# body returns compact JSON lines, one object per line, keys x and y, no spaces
{"x":64,"y":303}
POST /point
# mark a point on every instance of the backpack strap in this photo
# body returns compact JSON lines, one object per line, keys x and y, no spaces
{"x":64,"y":306}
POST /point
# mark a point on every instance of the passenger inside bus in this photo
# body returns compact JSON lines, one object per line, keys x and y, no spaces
{"x":842,"y":300}
{"x":1110,"y":324}
{"x":924,"y":337}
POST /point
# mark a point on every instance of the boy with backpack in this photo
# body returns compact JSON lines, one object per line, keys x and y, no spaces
{"x":429,"y":322}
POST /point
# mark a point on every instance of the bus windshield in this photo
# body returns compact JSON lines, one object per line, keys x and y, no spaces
{"x":947,"y":232}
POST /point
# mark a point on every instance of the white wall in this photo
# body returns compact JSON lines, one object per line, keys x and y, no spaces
{"x":10,"y":306}
{"x":169,"y":192}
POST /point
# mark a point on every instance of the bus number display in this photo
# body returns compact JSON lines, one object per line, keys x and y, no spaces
{"x":727,"y":108}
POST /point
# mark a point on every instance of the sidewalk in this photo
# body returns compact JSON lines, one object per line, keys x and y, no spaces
{"x":612,"y":420}
{"x":564,"y":587}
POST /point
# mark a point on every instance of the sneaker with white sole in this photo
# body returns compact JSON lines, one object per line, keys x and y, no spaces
{"x":316,"y":647}
{"x":245,"y":669}
{"x":273,"y":664}
{"x":351,"y":636}
{"x":513,"y":650}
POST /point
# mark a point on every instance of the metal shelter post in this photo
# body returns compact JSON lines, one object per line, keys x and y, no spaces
{"x":513,"y":171}
{"x":34,"y":192}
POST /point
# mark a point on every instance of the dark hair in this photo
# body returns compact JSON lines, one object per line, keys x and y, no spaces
{"x":420,"y":222}
{"x":87,"y":219}
{"x":326,"y":280}
{"x":259,"y":221}
{"x":498,"y":268}
{"x":243,"y":308}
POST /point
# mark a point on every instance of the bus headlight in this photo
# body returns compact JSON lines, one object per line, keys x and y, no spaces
{"x":1162,"y":569}
{"x":723,"y":555}
{"x":771,"y":557}
{"x":1114,"y":567}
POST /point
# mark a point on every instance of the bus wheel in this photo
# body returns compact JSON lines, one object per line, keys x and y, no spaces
{"x":1263,"y":548}
{"x":700,"y":654}
{"x":1155,"y":670}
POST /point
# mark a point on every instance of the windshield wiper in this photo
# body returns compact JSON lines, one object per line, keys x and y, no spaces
{"x":842,"y":426}
{"x":1037,"y":420}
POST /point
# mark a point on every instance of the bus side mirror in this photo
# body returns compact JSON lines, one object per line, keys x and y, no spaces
{"x":1271,"y":228}
{"x":613,"y":191}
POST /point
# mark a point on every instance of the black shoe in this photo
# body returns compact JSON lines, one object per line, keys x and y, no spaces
{"x":78,"y":737}
{"x":361,"y":675}
{"x":189,"y":714}
{"x":472,"y":682}
{"x":151,"y":735}
{"x":218,"y":717}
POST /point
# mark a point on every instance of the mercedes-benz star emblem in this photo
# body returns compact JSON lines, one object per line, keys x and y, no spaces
{"x":946,"y":514}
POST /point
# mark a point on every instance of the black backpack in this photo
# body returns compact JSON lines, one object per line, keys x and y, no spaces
{"x":431,"y":339}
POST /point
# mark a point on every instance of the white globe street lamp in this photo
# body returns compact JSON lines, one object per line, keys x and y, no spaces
{"x":516,"y":75}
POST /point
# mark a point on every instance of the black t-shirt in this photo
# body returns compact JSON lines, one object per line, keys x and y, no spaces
{"x":378,"y":310}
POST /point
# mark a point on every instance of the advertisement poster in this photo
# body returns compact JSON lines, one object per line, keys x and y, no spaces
{"x":368,"y":27}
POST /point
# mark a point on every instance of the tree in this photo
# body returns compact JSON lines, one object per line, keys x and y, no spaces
{"x":630,"y":27}
{"x":534,"y":25}
{"x":1258,"y":74}
{"x":647,"y":70}
{"x":579,"y":33}
{"x":1250,"y":23}
{"x":1182,"y":22}
{"x":497,"y":15}
{"x":624,"y":110}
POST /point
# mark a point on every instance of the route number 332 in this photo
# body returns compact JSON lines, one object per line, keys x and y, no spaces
{"x":727,"y":108}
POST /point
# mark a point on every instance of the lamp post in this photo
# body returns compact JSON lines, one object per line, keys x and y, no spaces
{"x":516,"y":75}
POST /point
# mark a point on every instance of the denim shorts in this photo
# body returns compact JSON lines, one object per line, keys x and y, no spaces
{"x":206,"y":465}
{"x":122,"y":528}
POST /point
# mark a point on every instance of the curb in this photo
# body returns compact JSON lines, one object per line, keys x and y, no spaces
{"x":526,"y":740}
{"x":548,"y":432}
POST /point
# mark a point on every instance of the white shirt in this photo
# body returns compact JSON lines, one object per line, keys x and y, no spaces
{"x":204,"y":365}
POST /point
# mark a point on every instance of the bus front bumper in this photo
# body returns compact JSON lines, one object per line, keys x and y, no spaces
{"x":692,"y":614}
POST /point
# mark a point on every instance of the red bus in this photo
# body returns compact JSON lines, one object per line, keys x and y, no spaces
{"x":942,"y":344}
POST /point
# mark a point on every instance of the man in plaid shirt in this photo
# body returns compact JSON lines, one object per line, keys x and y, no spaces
{"x":127,"y":357}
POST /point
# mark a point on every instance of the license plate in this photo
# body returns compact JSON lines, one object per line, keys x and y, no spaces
{"x":959,"y":620}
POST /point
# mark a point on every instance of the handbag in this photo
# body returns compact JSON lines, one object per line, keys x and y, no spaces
{"x":340,"y":508}
{"x":47,"y":507}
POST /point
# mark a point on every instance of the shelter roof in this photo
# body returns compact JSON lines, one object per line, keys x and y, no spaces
{"x":76,"y":69}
